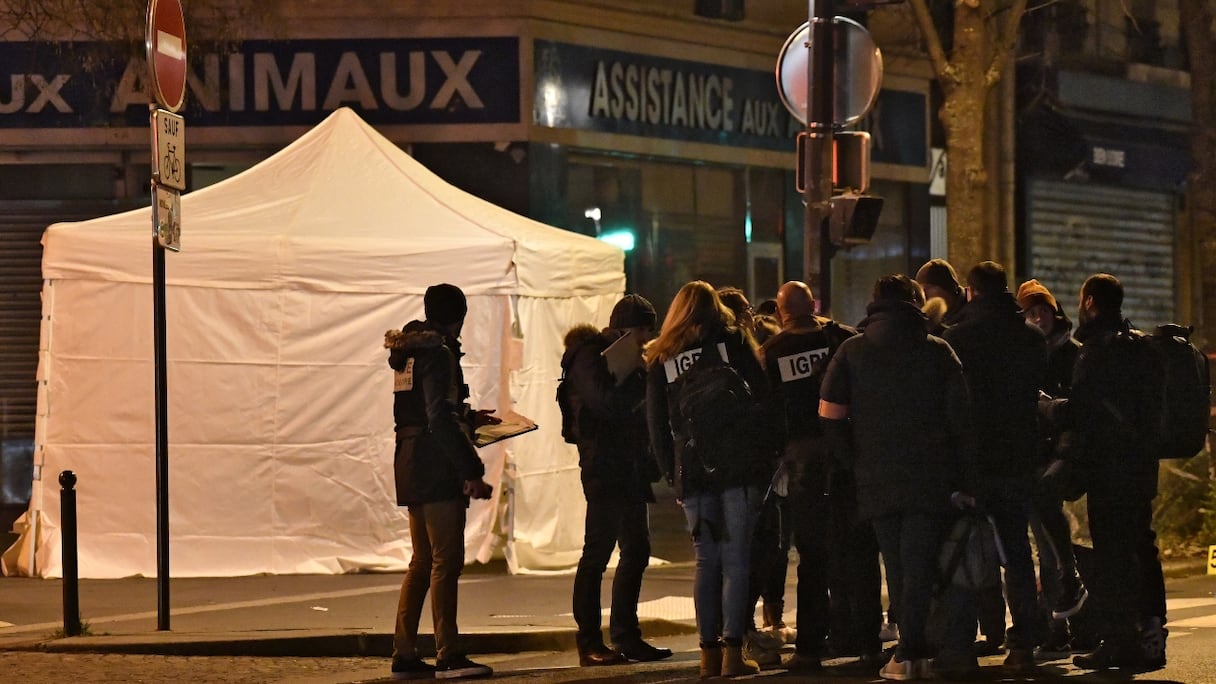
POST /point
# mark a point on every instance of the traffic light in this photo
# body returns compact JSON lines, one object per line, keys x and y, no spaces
{"x":850,"y":160}
{"x":853,"y":219}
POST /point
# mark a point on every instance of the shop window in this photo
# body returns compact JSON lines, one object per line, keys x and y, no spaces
{"x":58,"y":181}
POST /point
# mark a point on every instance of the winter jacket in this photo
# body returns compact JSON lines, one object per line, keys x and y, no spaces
{"x":752,"y":450}
{"x":907,"y":403}
{"x":613,"y":444}
{"x":1004,"y":359}
{"x":1108,"y":414}
{"x":435,"y":454}
{"x":794,"y":361}
{"x":1062,"y":352}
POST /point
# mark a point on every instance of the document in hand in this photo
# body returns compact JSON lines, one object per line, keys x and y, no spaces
{"x":512,"y":425}
{"x":623,"y":356}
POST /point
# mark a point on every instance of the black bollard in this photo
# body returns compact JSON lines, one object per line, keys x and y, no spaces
{"x":71,"y":570}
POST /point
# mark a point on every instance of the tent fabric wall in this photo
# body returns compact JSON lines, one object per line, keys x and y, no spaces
{"x":280,"y":416}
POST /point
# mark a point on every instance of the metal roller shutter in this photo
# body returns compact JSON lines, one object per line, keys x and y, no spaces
{"x":1077,"y":230}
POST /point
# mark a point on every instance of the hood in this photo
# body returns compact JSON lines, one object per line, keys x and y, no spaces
{"x":575,"y":337}
{"x":414,"y":337}
{"x":935,"y":312}
{"x":890,"y":321}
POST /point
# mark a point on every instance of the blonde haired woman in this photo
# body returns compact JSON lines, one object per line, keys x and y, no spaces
{"x":721,"y":505}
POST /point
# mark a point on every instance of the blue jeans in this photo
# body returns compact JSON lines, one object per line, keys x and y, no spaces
{"x":721,"y":525}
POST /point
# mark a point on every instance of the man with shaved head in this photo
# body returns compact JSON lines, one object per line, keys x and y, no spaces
{"x":816,"y":506}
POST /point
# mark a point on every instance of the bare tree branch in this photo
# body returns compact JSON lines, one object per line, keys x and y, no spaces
{"x":1006,"y":41}
{"x":933,"y":44}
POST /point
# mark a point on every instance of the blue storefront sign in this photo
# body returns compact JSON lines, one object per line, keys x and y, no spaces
{"x":627,"y":93}
{"x":620,"y":92}
{"x":263,"y":83}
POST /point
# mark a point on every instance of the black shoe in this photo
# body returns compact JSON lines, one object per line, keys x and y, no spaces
{"x":460,"y":667}
{"x":1070,"y":604}
{"x":642,"y":652}
{"x":599,"y":655}
{"x":413,"y":668}
{"x":988,"y":647}
{"x":1109,"y":656}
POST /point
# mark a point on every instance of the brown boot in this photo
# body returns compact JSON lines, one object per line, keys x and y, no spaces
{"x":734,"y":664}
{"x":711,"y":661}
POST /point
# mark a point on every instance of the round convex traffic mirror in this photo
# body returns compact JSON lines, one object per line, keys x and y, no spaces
{"x":858,"y":72}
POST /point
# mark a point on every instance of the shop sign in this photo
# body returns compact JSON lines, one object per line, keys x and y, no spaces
{"x":267,"y":83}
{"x":621,"y":92}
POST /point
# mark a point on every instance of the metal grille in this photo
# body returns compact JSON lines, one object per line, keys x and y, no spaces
{"x":1078,"y":230}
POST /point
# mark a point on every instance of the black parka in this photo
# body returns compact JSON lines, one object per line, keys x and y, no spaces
{"x":907,"y":403}
{"x":613,"y":444}
{"x":1004,"y":359}
{"x":435,"y":454}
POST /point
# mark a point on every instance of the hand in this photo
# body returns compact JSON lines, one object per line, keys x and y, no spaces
{"x":483,"y":417}
{"x":478,"y":489}
{"x":962,"y":500}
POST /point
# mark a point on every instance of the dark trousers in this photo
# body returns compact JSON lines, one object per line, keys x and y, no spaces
{"x":1058,"y":577}
{"x":855,"y":578}
{"x":909,"y":543}
{"x":810,"y":513}
{"x":770,"y":558}
{"x":437,"y":535}
{"x":611,"y":522}
{"x":1128,"y":583}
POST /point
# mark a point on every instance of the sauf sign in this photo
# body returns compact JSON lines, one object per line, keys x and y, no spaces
{"x":431,"y":80}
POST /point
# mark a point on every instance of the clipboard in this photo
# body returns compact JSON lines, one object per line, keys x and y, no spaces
{"x":512,"y":425}
{"x":623,"y":356}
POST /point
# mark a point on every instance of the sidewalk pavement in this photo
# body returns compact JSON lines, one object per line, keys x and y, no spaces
{"x":317,"y":615}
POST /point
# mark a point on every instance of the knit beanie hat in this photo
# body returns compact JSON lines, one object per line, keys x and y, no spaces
{"x":633,"y":311}
{"x":939,"y":272}
{"x":444,"y":304}
{"x":1032,"y":292}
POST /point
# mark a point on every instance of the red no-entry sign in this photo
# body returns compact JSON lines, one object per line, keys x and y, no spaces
{"x":166,"y":45}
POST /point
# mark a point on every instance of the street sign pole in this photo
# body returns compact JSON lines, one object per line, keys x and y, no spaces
{"x":165,"y":42}
{"x":821,"y":90}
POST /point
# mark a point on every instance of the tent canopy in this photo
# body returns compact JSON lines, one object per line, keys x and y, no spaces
{"x":280,"y":420}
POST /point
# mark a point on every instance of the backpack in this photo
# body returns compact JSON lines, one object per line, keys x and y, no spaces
{"x":1182,"y":427}
{"x":711,"y":403}
{"x":569,"y":405}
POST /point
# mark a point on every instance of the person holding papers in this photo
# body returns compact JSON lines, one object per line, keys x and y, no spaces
{"x":604,"y":370}
{"x":437,"y":470}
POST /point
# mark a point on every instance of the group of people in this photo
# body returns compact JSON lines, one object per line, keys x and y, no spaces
{"x":860,"y":445}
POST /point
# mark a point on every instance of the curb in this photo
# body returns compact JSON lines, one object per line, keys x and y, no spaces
{"x":293,"y":644}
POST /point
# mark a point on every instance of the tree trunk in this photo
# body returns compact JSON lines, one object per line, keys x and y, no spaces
{"x":966,"y":178}
{"x":1197,"y":18}
{"x":984,"y":36}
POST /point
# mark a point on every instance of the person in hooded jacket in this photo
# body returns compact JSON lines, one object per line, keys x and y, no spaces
{"x":940,"y":281}
{"x":894,"y":405}
{"x":617,"y":470}
{"x":721,"y":505}
{"x":436,"y":469}
{"x":1004,"y":359}
{"x":1063,"y":591}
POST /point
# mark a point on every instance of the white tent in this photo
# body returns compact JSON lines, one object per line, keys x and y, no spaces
{"x":280,"y":400}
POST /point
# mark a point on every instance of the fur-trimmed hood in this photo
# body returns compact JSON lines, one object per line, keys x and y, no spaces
{"x":935,"y":311}
{"x":575,"y":338}
{"x":415,"y":336}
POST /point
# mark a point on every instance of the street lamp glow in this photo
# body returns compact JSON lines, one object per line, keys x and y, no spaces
{"x":621,"y":238}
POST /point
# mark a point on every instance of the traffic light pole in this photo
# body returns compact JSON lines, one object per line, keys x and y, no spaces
{"x":821,"y":105}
